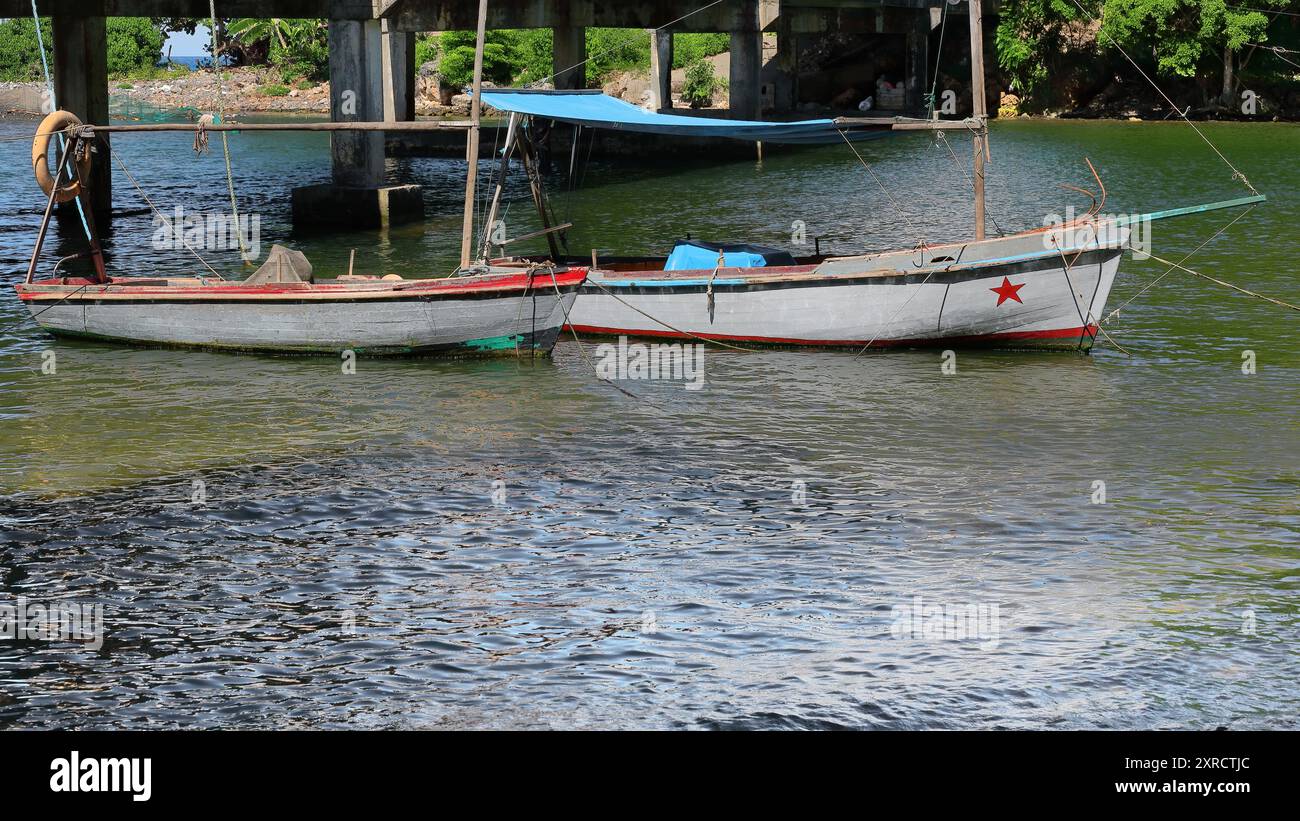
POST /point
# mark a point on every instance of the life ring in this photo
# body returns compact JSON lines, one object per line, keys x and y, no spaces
{"x":54,"y":123}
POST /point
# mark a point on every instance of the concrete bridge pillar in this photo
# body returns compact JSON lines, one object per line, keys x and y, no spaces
{"x":661,"y":68}
{"x":569,"y":50}
{"x":745,"y":84}
{"x":918,"y":59}
{"x":356,"y":93}
{"x":356,"y":197}
{"x":80,"y":70}
{"x":399,"y":73}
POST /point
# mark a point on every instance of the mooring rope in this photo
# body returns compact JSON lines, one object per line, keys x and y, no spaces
{"x":221,"y":116}
{"x":31,"y":317}
{"x":894,"y":316}
{"x":897,"y":207}
{"x":1227,"y":284}
{"x":658,"y":321}
{"x":582,"y":350}
{"x":1168,"y":270}
{"x":162,"y":217}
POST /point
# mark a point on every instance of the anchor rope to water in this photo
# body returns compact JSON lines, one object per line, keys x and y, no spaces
{"x":550,"y":269}
{"x":898,"y":311}
{"x":1070,"y":282}
{"x":32,"y":316}
{"x":1168,"y":270}
{"x":1227,"y":284}
{"x":658,"y":321}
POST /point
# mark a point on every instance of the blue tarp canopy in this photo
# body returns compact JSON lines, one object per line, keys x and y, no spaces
{"x":693,"y":255}
{"x":594,"y":109}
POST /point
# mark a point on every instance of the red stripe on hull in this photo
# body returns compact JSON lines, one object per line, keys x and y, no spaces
{"x":407,"y":288}
{"x":1010,"y":336}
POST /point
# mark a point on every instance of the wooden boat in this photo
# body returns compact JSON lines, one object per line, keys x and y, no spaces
{"x":1045,"y":288}
{"x":1035,"y":289}
{"x":505,"y":310}
{"x":511,"y":308}
{"x":1008,"y":292}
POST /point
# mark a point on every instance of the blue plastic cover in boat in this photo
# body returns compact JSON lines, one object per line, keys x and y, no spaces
{"x":594,"y":109}
{"x":693,"y":255}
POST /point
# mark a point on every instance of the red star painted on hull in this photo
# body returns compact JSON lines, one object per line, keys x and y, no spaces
{"x":1007,"y":291}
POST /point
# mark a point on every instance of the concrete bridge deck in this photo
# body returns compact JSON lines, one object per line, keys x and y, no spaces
{"x":372,"y":71}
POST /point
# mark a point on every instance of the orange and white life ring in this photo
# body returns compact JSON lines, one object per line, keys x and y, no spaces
{"x":51,"y":125}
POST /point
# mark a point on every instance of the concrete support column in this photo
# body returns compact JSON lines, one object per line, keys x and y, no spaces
{"x":744,"y":88}
{"x":786,"y":77}
{"x":661,"y":68}
{"x":80,"y":70}
{"x":918,"y":59}
{"x":399,"y":73}
{"x":570,"y":49}
{"x":357,"y":196}
{"x":356,"y":93}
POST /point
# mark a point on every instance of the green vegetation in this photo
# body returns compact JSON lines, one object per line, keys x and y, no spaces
{"x":457,"y":63}
{"x":690,"y":46}
{"x":298,"y":48}
{"x":134,"y":46}
{"x":134,"y":43}
{"x":20,"y":56}
{"x":1203,"y":40}
{"x":523,"y":56}
{"x":700,"y":84}
{"x":273,"y":90}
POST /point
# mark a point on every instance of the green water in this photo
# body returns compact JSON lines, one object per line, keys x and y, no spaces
{"x":371,"y":492}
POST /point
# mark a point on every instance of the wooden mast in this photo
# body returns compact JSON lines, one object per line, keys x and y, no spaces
{"x":471,"y":147}
{"x":979,"y":111}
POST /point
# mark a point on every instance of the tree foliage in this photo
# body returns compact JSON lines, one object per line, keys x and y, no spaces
{"x":297,"y":47}
{"x":134,"y":43}
{"x":1170,"y":38}
{"x":1184,"y":35}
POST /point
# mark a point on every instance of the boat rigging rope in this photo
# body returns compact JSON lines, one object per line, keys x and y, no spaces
{"x":897,"y":207}
{"x":944,"y":139}
{"x":938,"y":55}
{"x":1226,"y":284}
{"x":658,"y":321}
{"x":898,"y":311}
{"x":221,"y":117}
{"x":162,"y":217}
{"x":1236,"y":175}
{"x":550,"y":269}
{"x":1189,"y":255}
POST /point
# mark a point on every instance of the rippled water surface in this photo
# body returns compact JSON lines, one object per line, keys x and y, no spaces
{"x":728,"y":557}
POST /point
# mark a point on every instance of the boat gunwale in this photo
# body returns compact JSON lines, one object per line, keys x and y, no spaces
{"x":81,"y":289}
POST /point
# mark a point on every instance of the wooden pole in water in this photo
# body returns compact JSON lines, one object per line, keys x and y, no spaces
{"x":471,"y":147}
{"x":979,"y":110}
